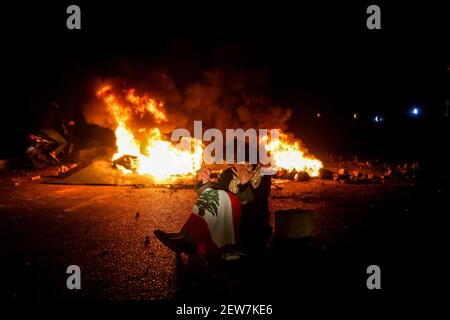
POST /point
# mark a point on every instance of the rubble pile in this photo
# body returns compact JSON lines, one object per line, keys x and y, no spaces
{"x":355,"y":171}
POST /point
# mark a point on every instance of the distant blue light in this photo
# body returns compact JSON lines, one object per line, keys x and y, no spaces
{"x":378,"y":119}
{"x":415,"y":111}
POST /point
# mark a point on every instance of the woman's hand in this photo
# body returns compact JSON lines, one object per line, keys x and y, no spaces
{"x":204,"y":175}
{"x":241,"y":171}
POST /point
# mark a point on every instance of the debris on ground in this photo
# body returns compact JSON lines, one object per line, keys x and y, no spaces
{"x":63,"y":169}
{"x":302,"y":176}
{"x":66,"y":167}
{"x":285,"y":174}
{"x":325,"y":174}
{"x":127,"y":161}
{"x":403,"y":170}
{"x":351,"y":169}
{"x":16,"y":181}
{"x":342,"y":176}
{"x":276,"y":185}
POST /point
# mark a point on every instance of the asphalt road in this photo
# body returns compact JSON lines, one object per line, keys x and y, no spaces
{"x":45,"y":228}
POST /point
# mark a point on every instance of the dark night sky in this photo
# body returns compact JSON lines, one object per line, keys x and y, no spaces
{"x":320,"y":58}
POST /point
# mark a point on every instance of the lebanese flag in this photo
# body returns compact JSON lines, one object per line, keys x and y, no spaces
{"x":215,"y":221}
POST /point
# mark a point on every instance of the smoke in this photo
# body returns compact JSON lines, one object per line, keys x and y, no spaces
{"x":222,"y":99}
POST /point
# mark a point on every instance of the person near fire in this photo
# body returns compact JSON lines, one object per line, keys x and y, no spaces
{"x":231,"y":215}
{"x":52,"y":125}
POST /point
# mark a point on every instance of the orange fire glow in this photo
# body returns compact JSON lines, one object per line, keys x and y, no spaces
{"x":159,"y":158}
{"x":156,"y":157}
{"x":291,"y":157}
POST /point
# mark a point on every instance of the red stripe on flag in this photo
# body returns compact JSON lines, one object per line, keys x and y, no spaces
{"x":198,"y":230}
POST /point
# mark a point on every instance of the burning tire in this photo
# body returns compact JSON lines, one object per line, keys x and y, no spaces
{"x":127,"y":161}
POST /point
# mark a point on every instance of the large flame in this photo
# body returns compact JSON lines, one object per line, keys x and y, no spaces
{"x":156,"y":157}
{"x":160,"y":158}
{"x":291,"y":157}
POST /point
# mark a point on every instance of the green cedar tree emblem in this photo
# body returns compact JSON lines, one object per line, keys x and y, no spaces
{"x":208,"y":200}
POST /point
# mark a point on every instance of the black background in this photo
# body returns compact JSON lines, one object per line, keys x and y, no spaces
{"x":320,"y":58}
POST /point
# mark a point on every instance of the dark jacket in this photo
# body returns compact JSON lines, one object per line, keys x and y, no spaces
{"x":52,"y":119}
{"x":255,"y":218}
